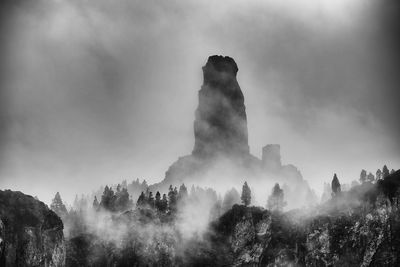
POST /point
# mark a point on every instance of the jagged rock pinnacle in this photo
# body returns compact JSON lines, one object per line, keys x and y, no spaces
{"x":221,"y":150}
{"x":220,"y":126}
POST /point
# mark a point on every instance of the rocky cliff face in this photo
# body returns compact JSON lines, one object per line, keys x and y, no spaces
{"x":30,"y":233}
{"x":257,"y":237}
{"x":221,"y":123}
{"x":249,"y":233}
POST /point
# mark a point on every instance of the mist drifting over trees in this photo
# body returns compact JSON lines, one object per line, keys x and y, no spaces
{"x":356,"y":224}
{"x":263,"y":133}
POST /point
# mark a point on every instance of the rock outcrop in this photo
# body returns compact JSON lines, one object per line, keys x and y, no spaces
{"x":250,"y":234}
{"x":221,"y":151}
{"x":256,"y":237}
{"x":220,"y":126}
{"x":30,"y":233}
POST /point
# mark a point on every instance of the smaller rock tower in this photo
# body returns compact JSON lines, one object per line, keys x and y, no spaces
{"x":271,"y":157}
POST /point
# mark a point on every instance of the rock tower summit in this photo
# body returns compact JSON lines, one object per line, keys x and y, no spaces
{"x":221,"y":153}
{"x":220,"y":125}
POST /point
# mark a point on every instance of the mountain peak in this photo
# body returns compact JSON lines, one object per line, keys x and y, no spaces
{"x":222,"y":64}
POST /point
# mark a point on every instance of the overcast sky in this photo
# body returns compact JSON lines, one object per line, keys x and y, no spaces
{"x":96,"y":91}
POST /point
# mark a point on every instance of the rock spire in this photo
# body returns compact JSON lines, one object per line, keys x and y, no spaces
{"x":220,"y":125}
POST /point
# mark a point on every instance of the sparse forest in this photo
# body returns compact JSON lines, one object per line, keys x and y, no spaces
{"x":357,"y":225}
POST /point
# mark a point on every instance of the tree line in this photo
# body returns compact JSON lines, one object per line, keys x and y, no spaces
{"x":119,"y":200}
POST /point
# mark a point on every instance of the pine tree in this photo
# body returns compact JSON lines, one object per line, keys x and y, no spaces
{"x":108,"y":199}
{"x":336,"y":188}
{"x":122,"y":200}
{"x":96,"y":203}
{"x":58,"y":206}
{"x":141,"y":202}
{"x":172,"y":194}
{"x":276,"y":200}
{"x":183,"y":193}
{"x":378,"y":174}
{"x":157,"y":202}
{"x":363,"y":176}
{"x":150,"y":200}
{"x":246,"y":194}
{"x":164,"y":203}
{"x":385,"y":172}
{"x":370,"y":177}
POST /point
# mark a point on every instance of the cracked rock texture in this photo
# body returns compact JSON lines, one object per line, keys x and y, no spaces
{"x":30,"y":233}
